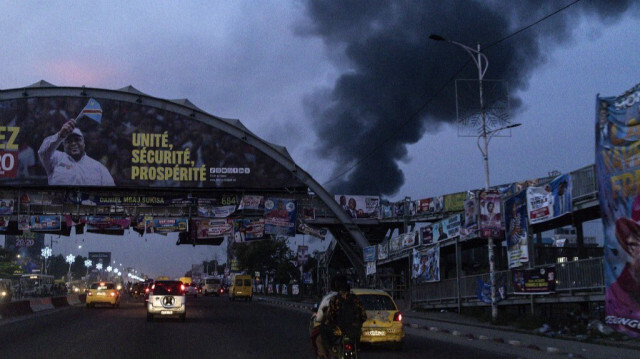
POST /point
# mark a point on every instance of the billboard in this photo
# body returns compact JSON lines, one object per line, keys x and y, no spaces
{"x":359,"y":206}
{"x":80,"y":141}
{"x":534,"y":281}
{"x":103,"y":258}
{"x":617,"y":169}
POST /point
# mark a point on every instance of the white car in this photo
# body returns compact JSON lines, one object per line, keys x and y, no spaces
{"x":167,"y":299}
{"x":191,"y":289}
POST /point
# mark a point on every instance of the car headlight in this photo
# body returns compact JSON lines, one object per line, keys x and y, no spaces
{"x":3,"y":293}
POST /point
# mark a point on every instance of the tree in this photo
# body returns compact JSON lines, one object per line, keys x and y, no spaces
{"x":7,"y":266}
{"x":268,"y":255}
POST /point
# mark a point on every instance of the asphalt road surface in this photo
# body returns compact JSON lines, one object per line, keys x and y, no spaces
{"x":215,"y":328}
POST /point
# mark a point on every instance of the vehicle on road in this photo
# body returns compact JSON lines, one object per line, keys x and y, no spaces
{"x":211,"y":285}
{"x":241,"y":287}
{"x":191,"y":290}
{"x":384,"y":320}
{"x":167,"y":299}
{"x":36,"y":285}
{"x":103,"y":293}
{"x":5,"y":290}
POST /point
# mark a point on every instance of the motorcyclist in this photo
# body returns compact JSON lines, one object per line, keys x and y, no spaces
{"x":345,"y":313}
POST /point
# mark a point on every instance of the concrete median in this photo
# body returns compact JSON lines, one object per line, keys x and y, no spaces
{"x":40,"y":304}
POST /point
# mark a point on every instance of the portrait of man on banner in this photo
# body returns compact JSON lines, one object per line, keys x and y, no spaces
{"x":515,"y":224}
{"x":490,"y":216}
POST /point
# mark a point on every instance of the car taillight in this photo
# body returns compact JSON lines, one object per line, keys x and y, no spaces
{"x":146,"y":290}
{"x":348,"y":347}
{"x":397,"y":317}
{"x":221,"y":290}
{"x":182,"y":288}
{"x":89,"y":294}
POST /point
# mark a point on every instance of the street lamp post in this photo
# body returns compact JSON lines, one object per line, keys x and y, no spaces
{"x":482,"y":63}
{"x":70,"y":259}
{"x":46,"y":253}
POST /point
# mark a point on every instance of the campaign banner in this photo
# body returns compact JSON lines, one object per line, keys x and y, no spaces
{"x":74,"y":220}
{"x":534,"y":281}
{"x":447,"y":228}
{"x":469,"y":227}
{"x":248,"y":229}
{"x":371,"y":268}
{"x":617,"y":173}
{"x":44,"y":198}
{"x":426,"y":264}
{"x":107,"y":223}
{"x":45,"y":223}
{"x":430,"y":205}
{"x":280,"y":216}
{"x":369,"y":253}
{"x":454,"y":202}
{"x":483,"y":290}
{"x":549,"y":201}
{"x":303,"y":254}
{"x":359,"y":206}
{"x":4,"y":223}
{"x":6,"y":206}
{"x":402,"y":241}
{"x":308,"y":213}
{"x":251,"y":202}
{"x":210,"y":208}
{"x":304,"y":228}
{"x":166,"y":224}
{"x":213,"y":228}
{"x":515,"y":224}
{"x":386,"y":210}
{"x":490,"y":216}
{"x":140,"y":145}
{"x":383,"y":250}
{"x":426,"y":233}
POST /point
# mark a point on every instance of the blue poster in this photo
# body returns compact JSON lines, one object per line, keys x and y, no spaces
{"x":618,"y":173}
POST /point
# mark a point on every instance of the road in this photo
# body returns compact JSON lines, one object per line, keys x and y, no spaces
{"x":215,"y":328}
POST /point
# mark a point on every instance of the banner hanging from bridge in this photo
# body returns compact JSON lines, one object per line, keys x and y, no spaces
{"x":515,"y":224}
{"x":426,"y":264}
{"x":618,"y":173}
{"x":359,"y":206}
{"x":550,"y":201}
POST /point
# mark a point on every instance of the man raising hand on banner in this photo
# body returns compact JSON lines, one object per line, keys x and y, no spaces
{"x":73,"y":166}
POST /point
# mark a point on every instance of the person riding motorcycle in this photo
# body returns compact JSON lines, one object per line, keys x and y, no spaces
{"x":344,"y":316}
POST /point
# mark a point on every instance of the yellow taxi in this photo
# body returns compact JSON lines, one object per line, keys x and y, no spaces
{"x":103,"y":293}
{"x":384,"y":320}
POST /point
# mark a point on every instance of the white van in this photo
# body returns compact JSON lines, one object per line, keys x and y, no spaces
{"x":211,"y":285}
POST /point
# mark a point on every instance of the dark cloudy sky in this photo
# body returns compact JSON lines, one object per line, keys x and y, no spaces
{"x":350,"y":88}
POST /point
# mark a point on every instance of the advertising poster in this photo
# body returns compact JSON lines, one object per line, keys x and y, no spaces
{"x":483,"y":290}
{"x":549,"y":201}
{"x":369,"y":253}
{"x":447,"y":228}
{"x":251,"y":202}
{"x":45,"y":223}
{"x":211,"y":208}
{"x":371,"y":268}
{"x":617,"y":172}
{"x":490,"y":216}
{"x":395,"y":244}
{"x":426,"y":233}
{"x":360,"y":206}
{"x":248,"y":229}
{"x":280,"y":216}
{"x":387,"y":210}
{"x":430,"y":205}
{"x":107,"y":223}
{"x":166,"y":224}
{"x":4,"y":223}
{"x":303,"y":254}
{"x":213,"y":228}
{"x":29,"y":245}
{"x":454,"y":202}
{"x":515,"y":224}
{"x":426,"y":264}
{"x":128,"y":144}
{"x":40,"y":197}
{"x":383,"y":250}
{"x":534,"y":281}
{"x":469,"y":227}
{"x":304,"y":228}
{"x":6,"y":206}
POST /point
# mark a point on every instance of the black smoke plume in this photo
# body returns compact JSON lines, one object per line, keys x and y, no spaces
{"x":392,"y":70}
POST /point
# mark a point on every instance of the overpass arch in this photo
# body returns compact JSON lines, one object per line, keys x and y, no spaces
{"x":280,"y":175}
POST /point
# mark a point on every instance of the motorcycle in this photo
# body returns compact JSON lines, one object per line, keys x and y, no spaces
{"x":344,"y":347}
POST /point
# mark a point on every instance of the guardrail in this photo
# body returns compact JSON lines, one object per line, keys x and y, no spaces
{"x":585,"y":275}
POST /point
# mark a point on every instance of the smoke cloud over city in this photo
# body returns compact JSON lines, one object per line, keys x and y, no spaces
{"x":396,"y":84}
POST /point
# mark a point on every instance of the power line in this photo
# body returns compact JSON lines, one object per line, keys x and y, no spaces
{"x":415,"y":114}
